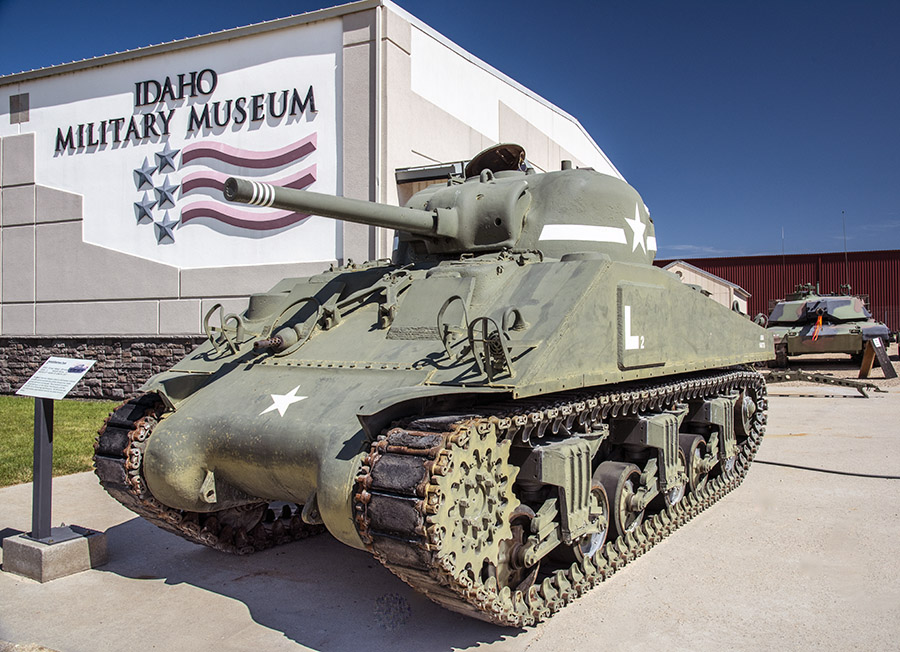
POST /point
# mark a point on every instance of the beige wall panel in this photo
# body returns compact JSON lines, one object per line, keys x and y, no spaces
{"x":179,"y":317}
{"x":70,"y":270}
{"x":17,"y":319}
{"x":17,"y":260}
{"x":516,"y":129}
{"x":398,"y":31}
{"x":358,"y":242}
{"x":52,"y":205}
{"x":97,"y":318}
{"x":439,"y":136}
{"x":359,"y":27}
{"x":358,"y":134}
{"x":357,"y":117}
{"x":241,"y":281}
{"x":17,"y":160}
{"x":559,"y":154}
{"x":554,"y":156}
{"x":418,"y":132}
{"x":399,"y":119}
{"x":18,"y":205}
{"x":542,"y":152}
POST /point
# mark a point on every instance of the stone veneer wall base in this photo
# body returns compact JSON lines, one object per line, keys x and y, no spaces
{"x":123,"y":363}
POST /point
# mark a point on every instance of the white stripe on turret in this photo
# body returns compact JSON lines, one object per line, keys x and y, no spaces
{"x":583,"y":233}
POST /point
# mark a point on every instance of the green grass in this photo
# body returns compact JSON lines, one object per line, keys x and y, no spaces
{"x":75,"y":424}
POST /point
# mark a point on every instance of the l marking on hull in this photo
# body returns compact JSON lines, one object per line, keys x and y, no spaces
{"x":632,"y":342}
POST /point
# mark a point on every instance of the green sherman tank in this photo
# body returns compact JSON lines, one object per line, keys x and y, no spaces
{"x":514,"y":408}
{"x":807,"y":321}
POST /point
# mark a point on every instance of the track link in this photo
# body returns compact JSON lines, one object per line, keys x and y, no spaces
{"x":407,"y":520}
{"x":118,"y":459}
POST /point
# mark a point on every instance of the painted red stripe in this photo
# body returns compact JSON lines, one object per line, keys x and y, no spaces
{"x":241,"y":218}
{"x":216,"y":180}
{"x":248,"y":158}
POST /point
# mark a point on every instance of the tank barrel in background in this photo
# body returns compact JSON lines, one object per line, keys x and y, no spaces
{"x":413,"y":220}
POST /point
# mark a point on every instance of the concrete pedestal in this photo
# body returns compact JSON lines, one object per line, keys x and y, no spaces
{"x":66,"y":551}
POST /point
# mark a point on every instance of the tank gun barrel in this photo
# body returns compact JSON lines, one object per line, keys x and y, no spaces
{"x":440,"y":222}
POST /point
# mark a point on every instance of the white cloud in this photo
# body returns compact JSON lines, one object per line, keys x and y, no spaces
{"x":671,"y":251}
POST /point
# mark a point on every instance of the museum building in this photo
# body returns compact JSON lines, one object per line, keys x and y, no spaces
{"x":115,"y":239}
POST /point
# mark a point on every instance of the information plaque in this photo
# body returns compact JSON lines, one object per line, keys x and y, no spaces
{"x":55,"y":378}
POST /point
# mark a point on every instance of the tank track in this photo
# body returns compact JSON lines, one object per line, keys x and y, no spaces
{"x":411,"y":484}
{"x":118,"y":457}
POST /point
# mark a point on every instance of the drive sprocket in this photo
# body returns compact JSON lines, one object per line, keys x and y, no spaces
{"x":473,"y":518}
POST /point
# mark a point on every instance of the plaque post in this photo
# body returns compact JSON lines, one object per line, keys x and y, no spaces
{"x":43,"y":468}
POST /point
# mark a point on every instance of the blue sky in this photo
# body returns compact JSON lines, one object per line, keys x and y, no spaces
{"x":734,"y":120}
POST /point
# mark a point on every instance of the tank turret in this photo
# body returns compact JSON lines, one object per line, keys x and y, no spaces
{"x":571,"y":211}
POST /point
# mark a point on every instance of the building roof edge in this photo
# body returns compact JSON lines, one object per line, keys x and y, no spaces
{"x":471,"y":58}
{"x":192,"y":41}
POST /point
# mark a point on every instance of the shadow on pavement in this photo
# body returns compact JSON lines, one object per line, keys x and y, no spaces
{"x":8,"y":532}
{"x":317,"y":592}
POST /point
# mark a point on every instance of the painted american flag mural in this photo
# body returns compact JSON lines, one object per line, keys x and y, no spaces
{"x":184,"y":187}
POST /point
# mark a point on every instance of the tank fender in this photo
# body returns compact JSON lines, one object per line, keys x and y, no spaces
{"x":377,"y":414}
{"x":174,"y":387}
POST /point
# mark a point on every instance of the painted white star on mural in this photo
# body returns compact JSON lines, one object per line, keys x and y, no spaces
{"x":282,"y":402}
{"x":638,"y":228}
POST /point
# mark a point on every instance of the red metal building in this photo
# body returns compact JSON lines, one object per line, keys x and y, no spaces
{"x":875,"y":273}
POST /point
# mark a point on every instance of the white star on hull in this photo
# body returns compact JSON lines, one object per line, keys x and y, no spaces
{"x":282,"y":402}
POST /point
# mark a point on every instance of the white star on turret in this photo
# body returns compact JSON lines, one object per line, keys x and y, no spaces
{"x":282,"y":402}
{"x":638,"y":228}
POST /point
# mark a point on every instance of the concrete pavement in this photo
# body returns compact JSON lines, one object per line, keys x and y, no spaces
{"x":796,"y":558}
